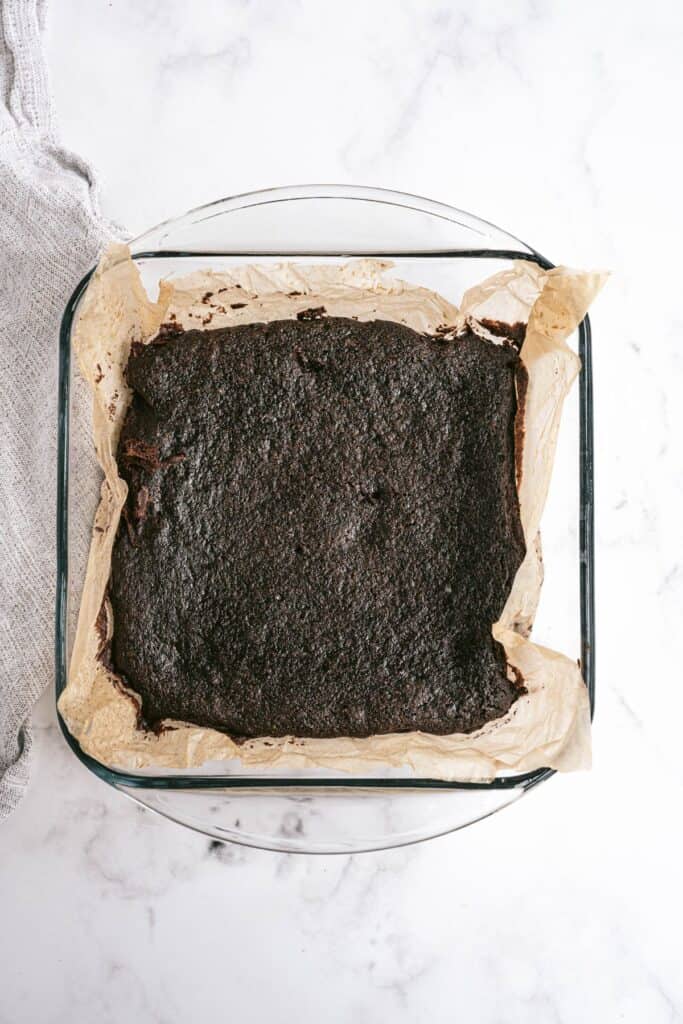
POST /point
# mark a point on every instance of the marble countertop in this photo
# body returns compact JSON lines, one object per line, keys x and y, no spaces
{"x":559,"y":122}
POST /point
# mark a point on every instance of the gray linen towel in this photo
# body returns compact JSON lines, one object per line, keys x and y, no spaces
{"x":51,"y":233}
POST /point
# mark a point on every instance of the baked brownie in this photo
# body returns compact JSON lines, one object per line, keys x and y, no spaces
{"x":321,"y":527}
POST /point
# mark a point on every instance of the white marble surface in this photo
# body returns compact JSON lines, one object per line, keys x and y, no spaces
{"x":560,"y":121}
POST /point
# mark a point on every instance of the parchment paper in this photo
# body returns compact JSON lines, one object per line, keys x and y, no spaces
{"x":550,"y":725}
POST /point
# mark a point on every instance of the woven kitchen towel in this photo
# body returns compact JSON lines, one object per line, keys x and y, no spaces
{"x":51,"y":233}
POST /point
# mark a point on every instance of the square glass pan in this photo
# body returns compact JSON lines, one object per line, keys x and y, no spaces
{"x":438,"y":247}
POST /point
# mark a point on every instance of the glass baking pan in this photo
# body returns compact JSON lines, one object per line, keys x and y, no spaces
{"x":438,"y":247}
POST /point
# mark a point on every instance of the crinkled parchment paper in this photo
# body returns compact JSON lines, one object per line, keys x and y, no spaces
{"x":550,"y":725}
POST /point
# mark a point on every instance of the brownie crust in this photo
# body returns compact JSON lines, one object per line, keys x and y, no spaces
{"x":322,"y":525}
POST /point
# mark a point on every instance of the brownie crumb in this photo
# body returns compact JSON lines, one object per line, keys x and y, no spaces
{"x":140,"y":453}
{"x":167,"y":330}
{"x":514,"y":333}
{"x":517,"y":679}
{"x":314,"y":313}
